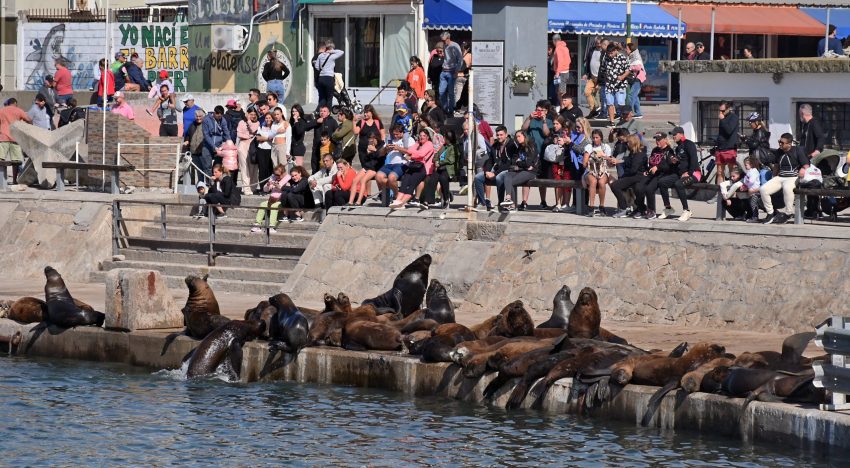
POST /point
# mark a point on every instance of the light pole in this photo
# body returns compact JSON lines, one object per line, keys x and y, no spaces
{"x":628,"y":21}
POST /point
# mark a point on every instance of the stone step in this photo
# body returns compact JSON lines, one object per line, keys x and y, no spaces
{"x":176,"y":283}
{"x":193,"y":258}
{"x":276,"y":275}
{"x":248,"y":210}
{"x":231,"y":234}
{"x":185,"y":220}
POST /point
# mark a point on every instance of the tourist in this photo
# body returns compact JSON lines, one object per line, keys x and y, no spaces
{"x":122,"y":77}
{"x":64,"y":82}
{"x":792,"y":164}
{"x":326,"y":145}
{"x":686,"y":163}
{"x":691,"y":51}
{"x":110,"y":85}
{"x":578,"y":139}
{"x":274,"y":73}
{"x":281,"y":139}
{"x":295,"y":195}
{"x":759,"y":140}
{"x":634,"y":168}
{"x":592,"y":62}
{"x":234,"y":115}
{"x":298,"y":125}
{"x":216,"y":132}
{"x":569,"y":111}
{"x":201,"y":210}
{"x":265,"y":136}
{"x":325,"y":65}
{"x":72,"y":113}
{"x":420,"y":163}
{"x":246,"y":132}
{"x":616,"y":84}
{"x":552,"y":162}
{"x":121,"y":107}
{"x":747,"y":52}
{"x":636,"y":78}
{"x":194,"y":143}
{"x":253,"y":98}
{"x":726,"y":153}
{"x":660,"y":165}
{"x":370,"y":162}
{"x":401,"y":116}
{"x":344,"y":137}
{"x":522,"y":168}
{"x":431,"y":110}
{"x":495,"y":167}
{"x":136,"y":77}
{"x":38,"y":113}
{"x":9,"y":149}
{"x":830,"y":44}
{"x":444,"y":172}
{"x":274,"y":103}
{"x":405,"y":94}
{"x":701,"y":53}
{"x":162,"y":79}
{"x":811,"y":136}
{"x":551,"y":86}
{"x":538,"y":124}
{"x":730,"y":191}
{"x":630,"y":123}
{"x":190,"y":110}
{"x":451,"y":66}
{"x":324,"y":123}
{"x":166,"y":109}
{"x":343,"y":182}
{"x":595,"y":179}
{"x":561,"y":62}
{"x":619,"y":152}
{"x":752,"y":184}
{"x":222,"y":190}
{"x":365,"y":126}
{"x":416,"y":77}
{"x":600,"y":85}
{"x":321,"y":181}
{"x":462,"y":85}
{"x":48,"y":90}
{"x":273,"y":187}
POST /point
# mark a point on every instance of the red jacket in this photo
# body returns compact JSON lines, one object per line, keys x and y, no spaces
{"x":110,"y":89}
{"x":561,"y":61}
{"x":345,"y":182}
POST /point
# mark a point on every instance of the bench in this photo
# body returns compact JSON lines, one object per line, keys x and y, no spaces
{"x":801,"y":194}
{"x":60,"y":167}
{"x":577,"y":188}
{"x":3,"y":174}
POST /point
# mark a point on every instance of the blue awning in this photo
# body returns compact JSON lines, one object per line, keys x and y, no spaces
{"x":648,"y":20}
{"x":837,"y":16}
{"x":448,"y":14}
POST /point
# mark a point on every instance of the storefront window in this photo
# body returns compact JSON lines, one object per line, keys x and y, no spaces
{"x":364,"y":44}
{"x":709,"y":118}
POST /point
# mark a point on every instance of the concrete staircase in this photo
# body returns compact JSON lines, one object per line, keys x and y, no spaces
{"x":245,"y":272}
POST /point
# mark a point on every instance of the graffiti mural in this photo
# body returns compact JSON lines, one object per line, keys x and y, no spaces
{"x":220,"y":11}
{"x":161,"y":46}
{"x":46,"y":42}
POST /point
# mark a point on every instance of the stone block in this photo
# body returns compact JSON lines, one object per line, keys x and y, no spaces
{"x":139,"y":300}
{"x":46,"y":145}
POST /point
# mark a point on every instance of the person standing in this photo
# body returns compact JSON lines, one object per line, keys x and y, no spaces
{"x":435,"y":67}
{"x":690,"y":51}
{"x":416,"y":77}
{"x":38,"y":113}
{"x":561,"y":62}
{"x":636,"y":79}
{"x":811,"y":136}
{"x":451,"y":66}
{"x":616,"y":72}
{"x":121,"y":107}
{"x":216,"y":132}
{"x":275,"y":72}
{"x":325,"y":66}
{"x":701,"y":53}
{"x":298,"y":124}
{"x":166,"y":109}
{"x":833,"y":44}
{"x":253,"y":98}
{"x":48,"y":90}
{"x":234,"y":115}
{"x":9,"y":149}
{"x":109,"y":85}
{"x":189,"y":112}
{"x":64,"y":86}
{"x":726,"y":154}
{"x":592,"y":65}
{"x":461,"y":85}
{"x":281,"y":140}
{"x":157,"y":87}
{"x":246,"y":131}
{"x":322,"y":124}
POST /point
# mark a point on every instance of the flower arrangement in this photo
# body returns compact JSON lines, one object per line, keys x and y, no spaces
{"x":526,"y":75}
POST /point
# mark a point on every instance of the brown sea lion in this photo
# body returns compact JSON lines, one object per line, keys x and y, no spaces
{"x":585,"y":317}
{"x":562,"y":305}
{"x":515,"y":321}
{"x":422,"y":324}
{"x":478,"y":364}
{"x":413,"y":341}
{"x":343,"y":302}
{"x":327,"y":329}
{"x":692,"y":381}
{"x":61,"y":309}
{"x":263,"y":311}
{"x":465,"y":351}
{"x":517,"y":366}
{"x":661,"y":371}
{"x":438,"y":306}
{"x":27,"y":310}
{"x":201,"y":314}
{"x":791,"y":358}
{"x":445,"y":337}
{"x":221,"y":350}
{"x":408,"y":289}
{"x":362,"y":335}
{"x":483,"y":329}
{"x":402,"y":323}
{"x":549,"y":332}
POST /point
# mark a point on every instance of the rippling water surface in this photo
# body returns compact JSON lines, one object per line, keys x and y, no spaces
{"x":57,"y":412}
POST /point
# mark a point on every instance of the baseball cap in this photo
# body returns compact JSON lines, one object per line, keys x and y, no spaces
{"x":188,"y":97}
{"x":48,"y":77}
{"x":699,"y":44}
{"x":201,"y":185}
{"x":678,"y":130}
{"x":118,"y":55}
{"x":163,"y":74}
{"x":401,"y":107}
{"x":659,"y":136}
{"x":231,"y":102}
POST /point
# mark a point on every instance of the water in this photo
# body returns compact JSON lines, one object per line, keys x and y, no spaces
{"x":59,"y":412}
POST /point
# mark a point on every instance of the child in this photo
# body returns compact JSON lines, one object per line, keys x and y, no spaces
{"x":326,"y":146}
{"x":202,"y":203}
{"x":729,"y":189}
{"x":402,"y":117}
{"x":274,"y":187}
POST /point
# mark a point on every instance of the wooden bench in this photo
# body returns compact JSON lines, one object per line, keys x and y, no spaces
{"x":60,"y":167}
{"x":801,"y":194}
{"x":3,"y":174}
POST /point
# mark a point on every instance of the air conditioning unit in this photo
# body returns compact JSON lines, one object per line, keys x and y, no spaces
{"x":228,"y":37}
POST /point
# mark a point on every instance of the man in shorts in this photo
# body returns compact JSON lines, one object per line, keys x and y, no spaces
{"x":616,"y":85}
{"x":726,"y":154}
{"x":389,"y":174}
{"x":9,"y":149}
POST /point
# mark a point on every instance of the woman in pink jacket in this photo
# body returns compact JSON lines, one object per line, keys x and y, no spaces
{"x":245,"y":133}
{"x":420,"y":164}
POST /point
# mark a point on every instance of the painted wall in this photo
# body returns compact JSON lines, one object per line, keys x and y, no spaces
{"x":162,"y":45}
{"x":793,"y":88}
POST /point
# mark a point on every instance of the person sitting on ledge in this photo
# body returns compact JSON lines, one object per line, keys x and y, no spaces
{"x":223,"y":191}
{"x":322,"y":180}
{"x":495,"y":167}
{"x":596,"y":156}
{"x":792,"y":166}
{"x":522,"y":168}
{"x":274,"y":187}
{"x":342,"y":185}
{"x":420,"y":163}
{"x":730,"y":189}
{"x":370,"y":162}
{"x":295,"y":194}
{"x":634,"y":167}
{"x":658,"y":165}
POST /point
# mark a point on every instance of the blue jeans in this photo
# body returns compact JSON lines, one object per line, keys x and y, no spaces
{"x":276,"y":86}
{"x":634,"y":95}
{"x":447,"y":91}
{"x":64,"y":98}
{"x":500,"y":186}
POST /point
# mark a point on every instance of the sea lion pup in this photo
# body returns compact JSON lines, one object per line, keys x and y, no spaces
{"x":26,"y":310}
{"x":515,"y":321}
{"x":438,"y":306}
{"x":692,"y":381}
{"x":61,"y":309}
{"x":288,"y":329}
{"x":362,"y":335}
{"x":445,"y":337}
{"x":408,"y":289}
{"x":201,"y":314}
{"x":221,"y":350}
{"x":562,"y":305}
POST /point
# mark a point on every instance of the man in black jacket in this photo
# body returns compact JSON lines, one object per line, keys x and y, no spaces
{"x":688,"y":162}
{"x":496,"y":166}
{"x":792,"y":165}
{"x":811,"y":137}
{"x":323,"y":123}
{"x":726,"y":154}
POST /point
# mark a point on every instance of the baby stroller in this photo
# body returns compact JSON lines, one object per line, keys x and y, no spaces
{"x":343,"y":99}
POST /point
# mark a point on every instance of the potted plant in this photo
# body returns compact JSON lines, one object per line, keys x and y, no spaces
{"x":522,"y":79}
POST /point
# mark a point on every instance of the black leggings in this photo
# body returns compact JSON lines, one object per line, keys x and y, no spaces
{"x":264,"y":164}
{"x":622,"y":184}
{"x":169,"y":130}
{"x":325,"y":86}
{"x":292,"y":200}
{"x":336,"y":198}
{"x":441,"y":176}
{"x":516,"y":178}
{"x":411,"y":179}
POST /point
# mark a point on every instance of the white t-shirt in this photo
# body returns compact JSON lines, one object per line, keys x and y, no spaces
{"x":266,"y":132}
{"x":397,"y":157}
{"x":589,"y":148}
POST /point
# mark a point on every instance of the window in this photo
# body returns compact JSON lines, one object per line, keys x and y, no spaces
{"x":364,"y":49}
{"x":835,"y":120}
{"x":332,"y":29}
{"x":709,"y":119}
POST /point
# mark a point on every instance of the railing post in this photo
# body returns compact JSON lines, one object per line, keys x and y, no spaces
{"x":798,"y":209}
{"x":267,"y":223}
{"x":163,"y":212}
{"x":578,"y":196}
{"x":721,"y":210}
{"x":116,"y":226}
{"x":211,"y":218}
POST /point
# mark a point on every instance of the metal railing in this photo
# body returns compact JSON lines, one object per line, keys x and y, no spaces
{"x":833,"y":335}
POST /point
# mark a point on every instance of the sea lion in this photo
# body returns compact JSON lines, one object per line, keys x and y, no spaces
{"x":363,"y":335}
{"x":515,"y":321}
{"x":343,"y":302}
{"x":413,"y":342}
{"x":562,"y":306}
{"x":221,"y":350}
{"x":585,"y":317}
{"x":549,"y":332}
{"x":464,"y":352}
{"x":201,"y":314}
{"x":264,"y":311}
{"x":478,"y":364}
{"x":516,"y":366}
{"x":692,"y":381}
{"x":445,"y":337}
{"x":61,"y":310}
{"x":408,"y":289}
{"x":422,"y":324}
{"x":438,"y":306}
{"x":288,"y":329}
{"x":790,"y":359}
{"x":327,"y":329}
{"x":482,"y":330}
{"x":27,"y":310}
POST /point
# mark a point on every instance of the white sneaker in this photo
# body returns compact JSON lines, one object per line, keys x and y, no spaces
{"x":686,"y":215}
{"x":272,"y":231}
{"x":255,"y":229}
{"x":464,"y":190}
{"x":666,"y":213}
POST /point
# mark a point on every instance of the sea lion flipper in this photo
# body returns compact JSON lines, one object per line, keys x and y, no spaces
{"x":794,"y":345}
{"x":169,"y":339}
{"x":680,"y":350}
{"x":36,"y":332}
{"x":188,"y":355}
{"x":655,"y":401}
{"x":235,"y":358}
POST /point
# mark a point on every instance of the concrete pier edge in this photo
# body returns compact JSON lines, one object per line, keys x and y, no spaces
{"x":791,"y":425}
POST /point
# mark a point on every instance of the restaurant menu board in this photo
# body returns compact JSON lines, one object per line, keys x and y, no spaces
{"x":489,"y":92}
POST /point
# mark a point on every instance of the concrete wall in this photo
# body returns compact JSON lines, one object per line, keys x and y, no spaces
{"x":782,"y":97}
{"x":778,"y":278}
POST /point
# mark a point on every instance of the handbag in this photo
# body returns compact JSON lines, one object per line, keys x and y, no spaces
{"x":554,"y":154}
{"x":252,"y":151}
